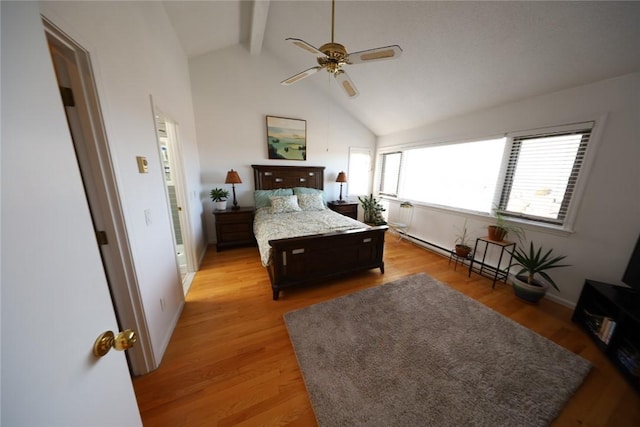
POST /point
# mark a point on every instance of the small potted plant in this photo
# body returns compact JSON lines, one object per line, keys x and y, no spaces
{"x":372,"y":210}
{"x":499,"y":231}
{"x":219,"y":198}
{"x":525,"y":284}
{"x":463,"y":244}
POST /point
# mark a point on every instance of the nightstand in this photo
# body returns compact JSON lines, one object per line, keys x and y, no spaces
{"x":349,"y":209}
{"x":234,"y":228}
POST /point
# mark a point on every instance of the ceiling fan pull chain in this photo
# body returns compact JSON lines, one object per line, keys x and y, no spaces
{"x":333,"y":17}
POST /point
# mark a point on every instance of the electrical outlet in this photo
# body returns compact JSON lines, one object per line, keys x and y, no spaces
{"x":162,"y":304}
{"x":147,"y":216}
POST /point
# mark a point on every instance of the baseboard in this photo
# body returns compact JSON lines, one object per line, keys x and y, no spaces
{"x":168,"y":336}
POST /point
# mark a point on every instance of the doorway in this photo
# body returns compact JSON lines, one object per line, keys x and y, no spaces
{"x":79,"y":96}
{"x":171,"y":157}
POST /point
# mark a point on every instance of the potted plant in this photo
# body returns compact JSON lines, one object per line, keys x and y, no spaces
{"x":524,"y":282}
{"x":463,"y":245}
{"x":219,"y":198}
{"x":499,"y":231}
{"x":372,"y":210}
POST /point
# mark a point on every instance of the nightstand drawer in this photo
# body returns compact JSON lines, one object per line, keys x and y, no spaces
{"x":347,"y":208}
{"x":234,"y":218}
{"x":234,"y":228}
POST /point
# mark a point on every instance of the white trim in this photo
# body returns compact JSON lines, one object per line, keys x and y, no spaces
{"x":123,"y":284}
{"x":176,"y":160}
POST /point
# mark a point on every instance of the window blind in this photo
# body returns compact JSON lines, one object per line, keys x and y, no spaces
{"x":390,"y":176}
{"x":542,"y":172}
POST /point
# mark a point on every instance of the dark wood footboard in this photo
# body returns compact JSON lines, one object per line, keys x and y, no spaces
{"x":303,"y":260}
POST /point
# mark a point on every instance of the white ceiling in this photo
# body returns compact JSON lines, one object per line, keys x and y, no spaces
{"x":458,"y":57}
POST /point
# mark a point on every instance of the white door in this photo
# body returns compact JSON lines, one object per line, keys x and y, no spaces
{"x":74,"y":74}
{"x":55,"y":299}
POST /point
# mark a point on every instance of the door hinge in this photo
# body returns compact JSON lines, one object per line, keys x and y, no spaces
{"x":67,"y":97}
{"x":101,"y":236}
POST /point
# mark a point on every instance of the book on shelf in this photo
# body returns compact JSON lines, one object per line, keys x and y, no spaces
{"x":630,"y":358}
{"x":601,"y":326}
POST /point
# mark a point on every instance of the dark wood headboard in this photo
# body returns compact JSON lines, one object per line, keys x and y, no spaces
{"x":268,"y":177}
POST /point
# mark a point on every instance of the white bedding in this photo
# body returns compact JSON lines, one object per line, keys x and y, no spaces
{"x":267,"y":226}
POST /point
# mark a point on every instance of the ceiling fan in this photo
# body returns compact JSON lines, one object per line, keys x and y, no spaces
{"x":334,"y":56}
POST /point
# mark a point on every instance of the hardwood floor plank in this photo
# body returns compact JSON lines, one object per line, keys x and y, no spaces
{"x":230,"y":360}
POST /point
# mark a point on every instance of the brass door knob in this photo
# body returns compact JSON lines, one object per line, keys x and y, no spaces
{"x":107,"y":340}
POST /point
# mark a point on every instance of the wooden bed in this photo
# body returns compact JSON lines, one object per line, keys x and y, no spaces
{"x":304,"y":260}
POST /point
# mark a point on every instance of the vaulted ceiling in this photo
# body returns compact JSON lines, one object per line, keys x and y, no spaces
{"x":458,"y":57}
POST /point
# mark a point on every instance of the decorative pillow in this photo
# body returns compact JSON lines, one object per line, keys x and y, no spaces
{"x":283,"y":204}
{"x":261,"y":197}
{"x":305,"y":190}
{"x":311,"y":202}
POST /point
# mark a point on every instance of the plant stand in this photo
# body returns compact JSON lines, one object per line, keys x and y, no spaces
{"x":492,"y":272}
{"x":457,"y":259}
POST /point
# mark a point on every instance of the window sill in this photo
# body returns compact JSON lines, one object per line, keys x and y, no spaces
{"x":527,"y":225}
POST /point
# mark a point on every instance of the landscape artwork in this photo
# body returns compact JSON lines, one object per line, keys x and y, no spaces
{"x":286,"y":138}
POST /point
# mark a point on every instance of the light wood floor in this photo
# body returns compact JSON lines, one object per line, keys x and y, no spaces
{"x":230,"y":361}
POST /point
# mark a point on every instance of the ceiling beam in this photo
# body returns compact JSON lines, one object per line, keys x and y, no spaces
{"x":258,"y":25}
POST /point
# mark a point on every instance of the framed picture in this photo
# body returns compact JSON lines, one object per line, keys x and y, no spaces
{"x":286,"y":138}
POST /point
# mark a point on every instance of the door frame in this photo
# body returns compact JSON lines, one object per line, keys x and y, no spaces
{"x":105,"y":201}
{"x":176,"y":161}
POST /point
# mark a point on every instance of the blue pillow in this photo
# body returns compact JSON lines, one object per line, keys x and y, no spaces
{"x":261,"y":197}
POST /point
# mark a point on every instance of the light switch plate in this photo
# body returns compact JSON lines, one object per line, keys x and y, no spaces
{"x":143,"y":166}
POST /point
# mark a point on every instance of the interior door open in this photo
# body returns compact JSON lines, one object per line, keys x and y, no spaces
{"x":79,"y":97}
{"x":55,"y":298}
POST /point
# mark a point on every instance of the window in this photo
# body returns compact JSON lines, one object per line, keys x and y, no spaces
{"x":542,"y":172}
{"x":527,"y":175}
{"x":359,"y":171}
{"x":461,"y":175}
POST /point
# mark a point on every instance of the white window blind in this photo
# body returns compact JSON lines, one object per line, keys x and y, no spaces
{"x":542,"y":172}
{"x":390,"y":175}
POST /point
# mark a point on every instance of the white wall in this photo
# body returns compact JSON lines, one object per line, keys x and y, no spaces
{"x":233,"y":92}
{"x":135,"y":54}
{"x":608,"y":220}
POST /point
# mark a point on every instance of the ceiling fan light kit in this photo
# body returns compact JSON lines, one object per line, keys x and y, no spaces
{"x":334,"y":56}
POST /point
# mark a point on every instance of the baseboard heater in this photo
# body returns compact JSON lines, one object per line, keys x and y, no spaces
{"x":445,"y":251}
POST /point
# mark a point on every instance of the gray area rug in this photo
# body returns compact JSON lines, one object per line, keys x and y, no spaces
{"x":415,"y":352}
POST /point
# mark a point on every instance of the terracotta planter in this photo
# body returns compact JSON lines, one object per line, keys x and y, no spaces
{"x":530,"y":293}
{"x":463,"y":251}
{"x":497,"y":234}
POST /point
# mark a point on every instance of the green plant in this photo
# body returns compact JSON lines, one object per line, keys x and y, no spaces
{"x":462,"y":238}
{"x":219,"y":194}
{"x":507,"y":229}
{"x":372,"y":210}
{"x":533,"y":262}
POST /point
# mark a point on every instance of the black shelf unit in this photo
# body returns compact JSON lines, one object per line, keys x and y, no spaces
{"x":611,"y":316}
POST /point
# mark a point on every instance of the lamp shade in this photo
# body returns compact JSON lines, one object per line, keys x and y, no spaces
{"x":233,"y":178}
{"x":342,"y":177}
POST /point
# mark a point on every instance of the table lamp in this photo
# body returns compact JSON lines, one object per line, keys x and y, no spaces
{"x":342,"y":178}
{"x":233,"y":178}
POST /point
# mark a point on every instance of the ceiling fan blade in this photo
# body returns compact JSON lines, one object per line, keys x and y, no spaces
{"x":302,"y":75}
{"x":306,"y":46}
{"x":346,"y":84}
{"x":377,"y":54}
